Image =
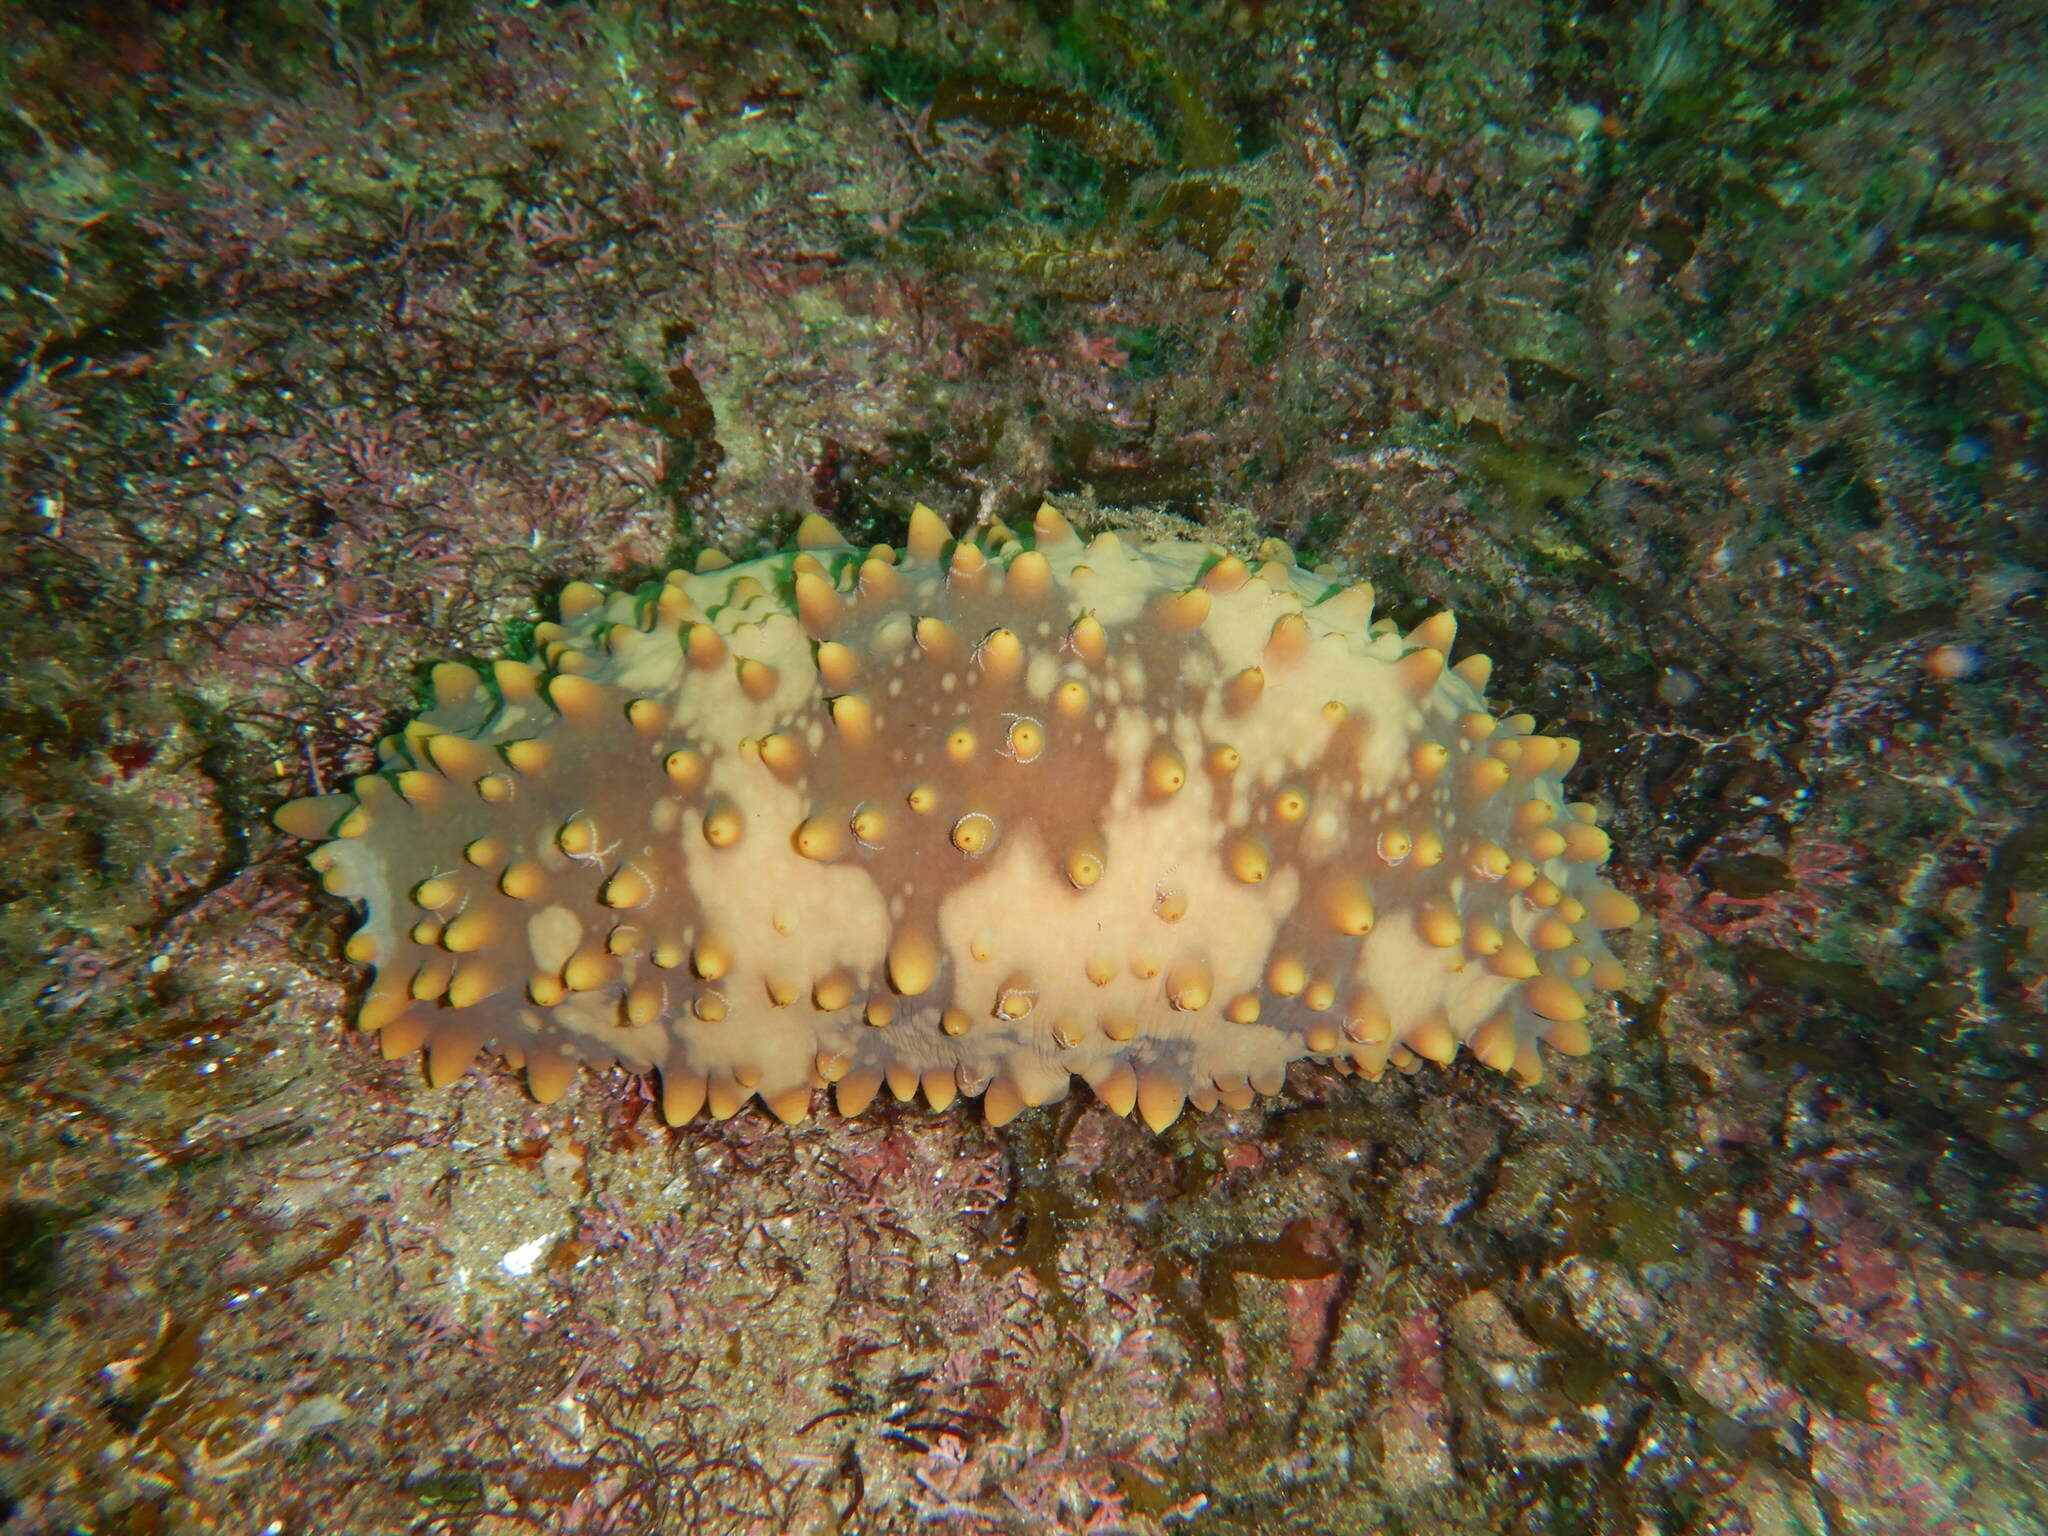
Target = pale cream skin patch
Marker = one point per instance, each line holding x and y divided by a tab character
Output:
972	818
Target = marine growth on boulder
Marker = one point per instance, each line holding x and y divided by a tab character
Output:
974	817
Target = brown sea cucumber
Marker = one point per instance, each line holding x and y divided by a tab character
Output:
976	817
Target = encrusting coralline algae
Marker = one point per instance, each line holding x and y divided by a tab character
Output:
975	818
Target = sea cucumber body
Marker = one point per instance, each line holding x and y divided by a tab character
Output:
973	819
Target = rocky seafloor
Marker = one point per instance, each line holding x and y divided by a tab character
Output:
1693	353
